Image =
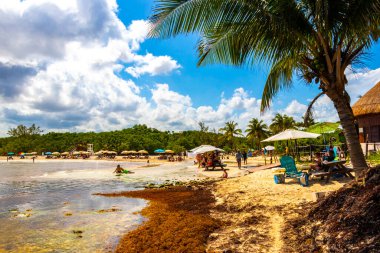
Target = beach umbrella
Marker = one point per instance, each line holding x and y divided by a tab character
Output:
33	153
323	128
159	151
99	153
269	148
207	148
143	152
291	134
11	153
48	153
65	153
125	152
168	151
76	153
56	153
132	152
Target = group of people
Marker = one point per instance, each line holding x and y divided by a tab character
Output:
241	156
328	156
207	160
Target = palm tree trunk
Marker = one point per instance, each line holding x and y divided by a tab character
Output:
346	117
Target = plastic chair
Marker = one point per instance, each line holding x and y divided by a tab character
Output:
288	163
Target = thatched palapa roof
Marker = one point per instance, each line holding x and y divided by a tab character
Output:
369	103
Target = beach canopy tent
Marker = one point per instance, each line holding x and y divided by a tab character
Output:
143	152
291	134
159	151
207	148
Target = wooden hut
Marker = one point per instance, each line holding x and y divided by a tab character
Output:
367	112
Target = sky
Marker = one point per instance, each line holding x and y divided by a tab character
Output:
79	66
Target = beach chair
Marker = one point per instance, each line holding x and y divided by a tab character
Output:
288	163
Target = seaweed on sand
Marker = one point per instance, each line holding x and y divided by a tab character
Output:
179	221
347	220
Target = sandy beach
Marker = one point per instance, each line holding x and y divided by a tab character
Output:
250	210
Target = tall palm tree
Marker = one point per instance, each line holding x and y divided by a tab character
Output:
316	39
257	131
229	131
281	123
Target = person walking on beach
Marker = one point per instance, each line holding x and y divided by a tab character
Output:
239	156
245	157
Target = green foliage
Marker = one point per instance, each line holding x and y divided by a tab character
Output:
281	123
256	132
135	138
22	130
229	131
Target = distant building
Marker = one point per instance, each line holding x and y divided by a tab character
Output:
367	112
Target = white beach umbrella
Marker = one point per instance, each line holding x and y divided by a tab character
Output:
291	134
206	149
269	148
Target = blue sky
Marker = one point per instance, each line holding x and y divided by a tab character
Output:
80	65
215	79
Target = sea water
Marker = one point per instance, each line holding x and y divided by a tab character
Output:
51	206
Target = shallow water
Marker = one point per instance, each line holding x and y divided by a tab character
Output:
50	206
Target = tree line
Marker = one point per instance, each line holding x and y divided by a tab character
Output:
230	137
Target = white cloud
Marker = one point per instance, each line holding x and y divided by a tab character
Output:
149	64
295	109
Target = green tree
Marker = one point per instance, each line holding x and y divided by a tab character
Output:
281	123
229	131
22	130
318	40
256	131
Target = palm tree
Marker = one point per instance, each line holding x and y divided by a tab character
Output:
281	123
229	131
256	131
316	39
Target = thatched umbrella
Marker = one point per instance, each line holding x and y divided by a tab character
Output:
143	152
56	153
168	151
65	154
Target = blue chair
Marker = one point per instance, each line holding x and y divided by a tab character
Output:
288	163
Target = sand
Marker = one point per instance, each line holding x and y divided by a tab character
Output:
253	210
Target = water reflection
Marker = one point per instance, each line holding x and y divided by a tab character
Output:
50	207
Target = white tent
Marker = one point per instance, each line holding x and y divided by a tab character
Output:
291	134
201	146
206	149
